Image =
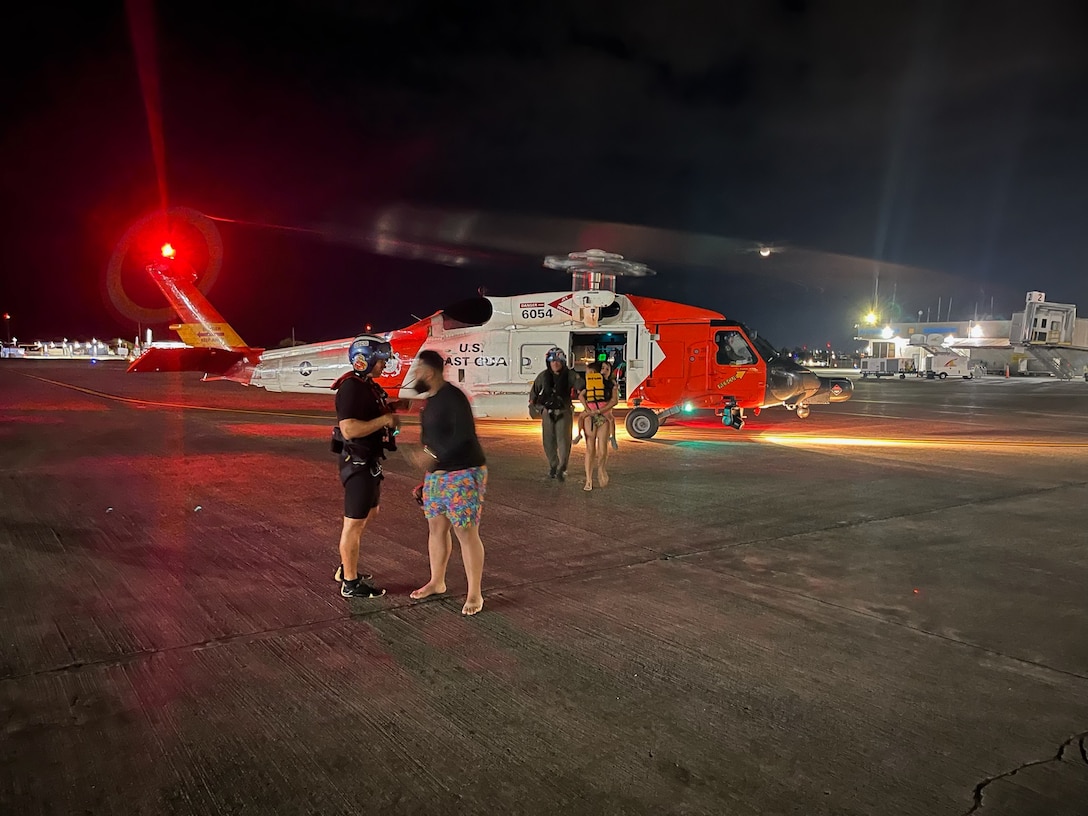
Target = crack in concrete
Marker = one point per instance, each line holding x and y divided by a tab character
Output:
980	788
210	643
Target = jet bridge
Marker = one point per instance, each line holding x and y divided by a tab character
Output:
1048	333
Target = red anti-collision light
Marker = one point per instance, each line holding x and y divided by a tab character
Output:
168	251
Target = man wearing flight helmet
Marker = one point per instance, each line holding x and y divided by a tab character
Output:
553	398
366	423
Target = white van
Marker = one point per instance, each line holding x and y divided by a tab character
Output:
940	366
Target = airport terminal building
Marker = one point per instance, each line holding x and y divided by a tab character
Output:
1043	340
66	349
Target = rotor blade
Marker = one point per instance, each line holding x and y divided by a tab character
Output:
465	237
473	239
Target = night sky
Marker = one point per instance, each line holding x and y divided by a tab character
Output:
947	137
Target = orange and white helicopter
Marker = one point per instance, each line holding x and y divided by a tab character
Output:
670	357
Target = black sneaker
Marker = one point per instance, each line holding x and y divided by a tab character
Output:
561	475
551	473
360	589
338	576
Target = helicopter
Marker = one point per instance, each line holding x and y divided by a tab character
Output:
670	358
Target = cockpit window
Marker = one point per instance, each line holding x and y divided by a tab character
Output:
733	349
765	349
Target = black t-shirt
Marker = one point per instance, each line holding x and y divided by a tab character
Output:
449	430
363	399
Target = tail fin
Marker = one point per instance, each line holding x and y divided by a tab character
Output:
212	345
202	326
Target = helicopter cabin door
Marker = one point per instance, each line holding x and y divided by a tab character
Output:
610	346
680	370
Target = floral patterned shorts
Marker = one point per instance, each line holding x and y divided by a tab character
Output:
457	494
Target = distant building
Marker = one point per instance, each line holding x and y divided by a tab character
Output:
1044	339
68	349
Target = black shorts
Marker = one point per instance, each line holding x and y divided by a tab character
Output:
362	493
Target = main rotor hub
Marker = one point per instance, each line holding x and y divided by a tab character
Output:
598	262
596	270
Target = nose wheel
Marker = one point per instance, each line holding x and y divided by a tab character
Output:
802	411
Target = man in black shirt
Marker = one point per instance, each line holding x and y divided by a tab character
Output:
453	489
364	420
552	395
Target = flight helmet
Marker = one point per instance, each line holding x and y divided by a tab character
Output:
555	353
371	348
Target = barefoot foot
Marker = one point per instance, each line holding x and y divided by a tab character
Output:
472	606
427	590
602	479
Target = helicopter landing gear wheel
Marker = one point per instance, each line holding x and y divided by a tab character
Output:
641	423
803	411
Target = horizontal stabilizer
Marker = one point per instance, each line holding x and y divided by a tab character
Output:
209	360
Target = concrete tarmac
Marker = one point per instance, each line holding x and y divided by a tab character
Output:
880	609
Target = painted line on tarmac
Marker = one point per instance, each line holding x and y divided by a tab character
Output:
712	436
154	404
907	442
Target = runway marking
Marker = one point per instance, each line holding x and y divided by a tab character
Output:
904	442
154	404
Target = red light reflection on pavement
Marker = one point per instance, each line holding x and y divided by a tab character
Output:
272	430
9	419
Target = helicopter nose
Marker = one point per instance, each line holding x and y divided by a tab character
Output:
790	385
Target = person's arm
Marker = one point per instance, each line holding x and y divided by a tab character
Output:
613	400
347	402
582	399
577	384
536	390
356	428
